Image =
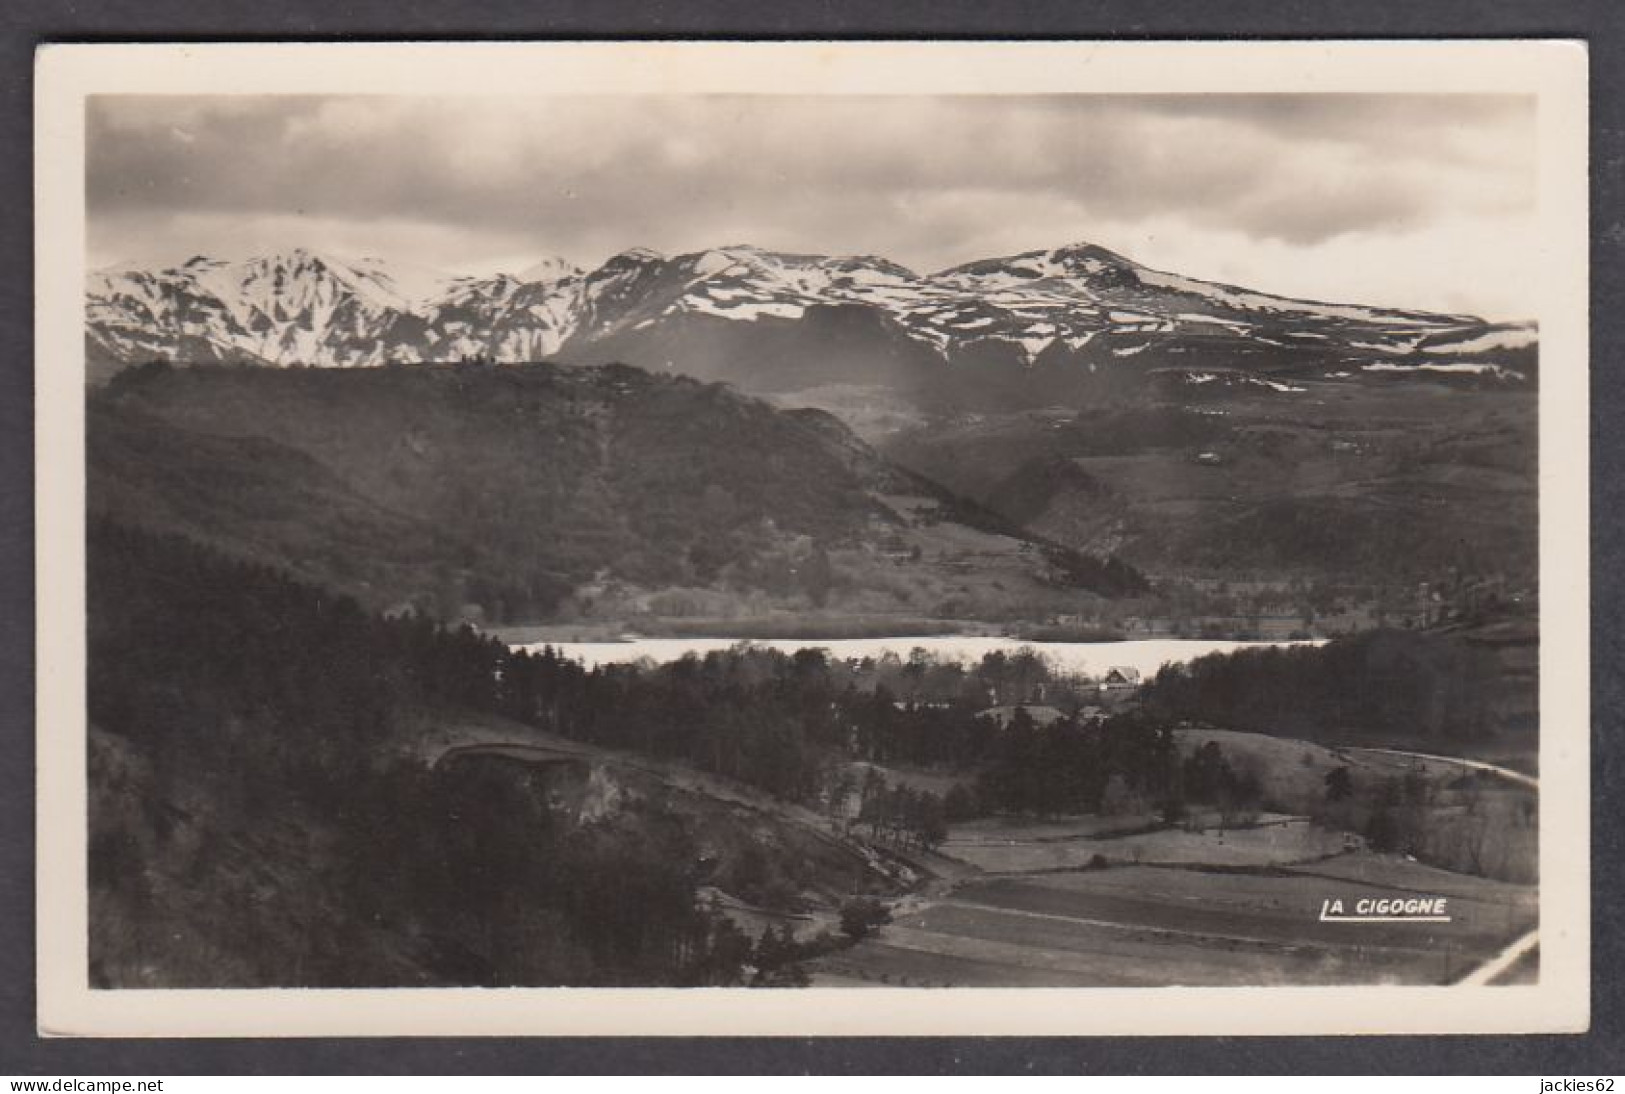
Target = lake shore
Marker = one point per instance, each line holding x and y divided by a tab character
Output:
759	628
815	628
1145	655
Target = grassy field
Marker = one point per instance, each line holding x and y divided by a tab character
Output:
1008	831
1293	772
1026	902
1156	926
1285	841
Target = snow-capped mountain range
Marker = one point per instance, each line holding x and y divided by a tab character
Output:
739	313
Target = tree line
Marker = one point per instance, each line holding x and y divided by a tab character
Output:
1375	686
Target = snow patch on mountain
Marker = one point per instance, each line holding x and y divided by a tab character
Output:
748	310
1476	367
1491	341
1248	301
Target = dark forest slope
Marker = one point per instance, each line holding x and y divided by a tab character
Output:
263	811
515	492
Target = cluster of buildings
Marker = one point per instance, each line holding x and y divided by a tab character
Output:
1119	682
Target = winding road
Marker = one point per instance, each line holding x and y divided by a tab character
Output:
1476	765
1498	965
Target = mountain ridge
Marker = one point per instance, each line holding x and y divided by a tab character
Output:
754	317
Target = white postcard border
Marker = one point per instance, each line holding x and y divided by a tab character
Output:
1555	71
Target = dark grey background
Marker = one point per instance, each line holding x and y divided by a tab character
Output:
24	27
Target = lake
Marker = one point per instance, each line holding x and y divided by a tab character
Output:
1147	655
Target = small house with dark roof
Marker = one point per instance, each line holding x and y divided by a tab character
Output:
1120	678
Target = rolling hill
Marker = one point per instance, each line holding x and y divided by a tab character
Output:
541	491
1374	484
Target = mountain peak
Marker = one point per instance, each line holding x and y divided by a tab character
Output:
1095	265
869	262
549	268
1084	251
294	258
752	255
636	256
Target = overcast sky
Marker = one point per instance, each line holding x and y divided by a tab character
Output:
1418	201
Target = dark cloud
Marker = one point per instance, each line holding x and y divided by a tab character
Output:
922	179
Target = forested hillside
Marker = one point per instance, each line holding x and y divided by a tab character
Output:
255	819
530	491
263	811
1448	691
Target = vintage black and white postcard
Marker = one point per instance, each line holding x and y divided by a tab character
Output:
815	538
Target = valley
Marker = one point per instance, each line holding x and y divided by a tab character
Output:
773	818
750	618
1253	465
